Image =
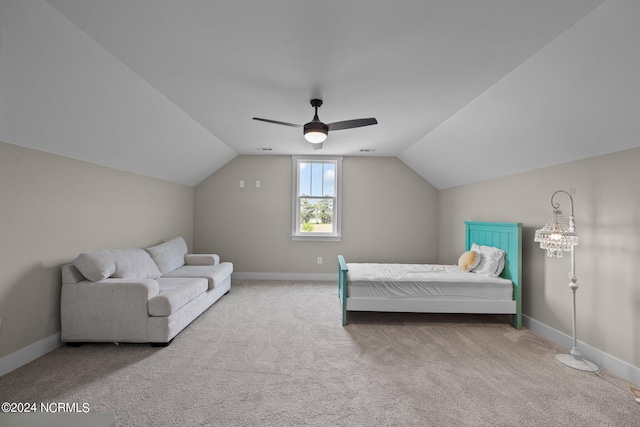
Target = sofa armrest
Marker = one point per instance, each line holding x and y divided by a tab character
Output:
111	310
201	259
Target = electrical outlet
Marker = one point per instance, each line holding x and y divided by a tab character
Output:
257	184
241	183
319	260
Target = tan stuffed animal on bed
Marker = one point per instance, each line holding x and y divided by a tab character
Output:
469	260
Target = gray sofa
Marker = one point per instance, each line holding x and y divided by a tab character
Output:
139	295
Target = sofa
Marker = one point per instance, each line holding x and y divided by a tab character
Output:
138	295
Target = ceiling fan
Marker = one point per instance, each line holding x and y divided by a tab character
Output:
316	132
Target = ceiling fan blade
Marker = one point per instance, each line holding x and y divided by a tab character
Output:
278	123
349	124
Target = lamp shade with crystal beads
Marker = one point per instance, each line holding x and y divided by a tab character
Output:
556	237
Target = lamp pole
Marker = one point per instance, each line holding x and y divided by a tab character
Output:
573	285
574	358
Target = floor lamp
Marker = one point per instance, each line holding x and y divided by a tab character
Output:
556	237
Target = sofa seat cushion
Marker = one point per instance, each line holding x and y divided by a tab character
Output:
175	293
215	275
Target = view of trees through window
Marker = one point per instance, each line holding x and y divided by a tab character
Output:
316	215
316	196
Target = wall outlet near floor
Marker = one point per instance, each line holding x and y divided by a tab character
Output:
319	260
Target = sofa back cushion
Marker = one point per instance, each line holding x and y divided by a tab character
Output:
118	263
169	255
134	264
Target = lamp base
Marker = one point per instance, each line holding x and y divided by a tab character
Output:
579	364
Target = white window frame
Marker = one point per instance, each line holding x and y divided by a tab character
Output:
296	234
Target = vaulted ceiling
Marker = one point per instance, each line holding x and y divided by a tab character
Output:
463	90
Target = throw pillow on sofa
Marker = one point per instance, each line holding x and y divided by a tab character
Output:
117	263
95	266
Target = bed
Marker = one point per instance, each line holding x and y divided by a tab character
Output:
427	288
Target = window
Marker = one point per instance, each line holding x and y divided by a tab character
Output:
316	198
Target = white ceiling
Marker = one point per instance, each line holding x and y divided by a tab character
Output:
462	90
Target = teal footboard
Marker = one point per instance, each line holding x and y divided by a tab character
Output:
342	286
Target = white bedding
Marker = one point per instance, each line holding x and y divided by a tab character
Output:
424	281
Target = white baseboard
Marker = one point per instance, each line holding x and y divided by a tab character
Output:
612	364
323	277
19	358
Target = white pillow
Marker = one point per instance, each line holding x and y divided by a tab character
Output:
500	266
492	260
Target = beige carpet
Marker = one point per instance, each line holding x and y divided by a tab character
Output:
275	354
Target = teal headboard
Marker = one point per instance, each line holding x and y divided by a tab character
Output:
508	237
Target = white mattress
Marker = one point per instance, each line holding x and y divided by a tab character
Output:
424	281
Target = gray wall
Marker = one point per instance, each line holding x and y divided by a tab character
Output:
389	213
51	209
607	211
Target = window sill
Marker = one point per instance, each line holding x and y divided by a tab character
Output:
319	238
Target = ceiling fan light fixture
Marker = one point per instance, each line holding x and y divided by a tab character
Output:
315	132
315	137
